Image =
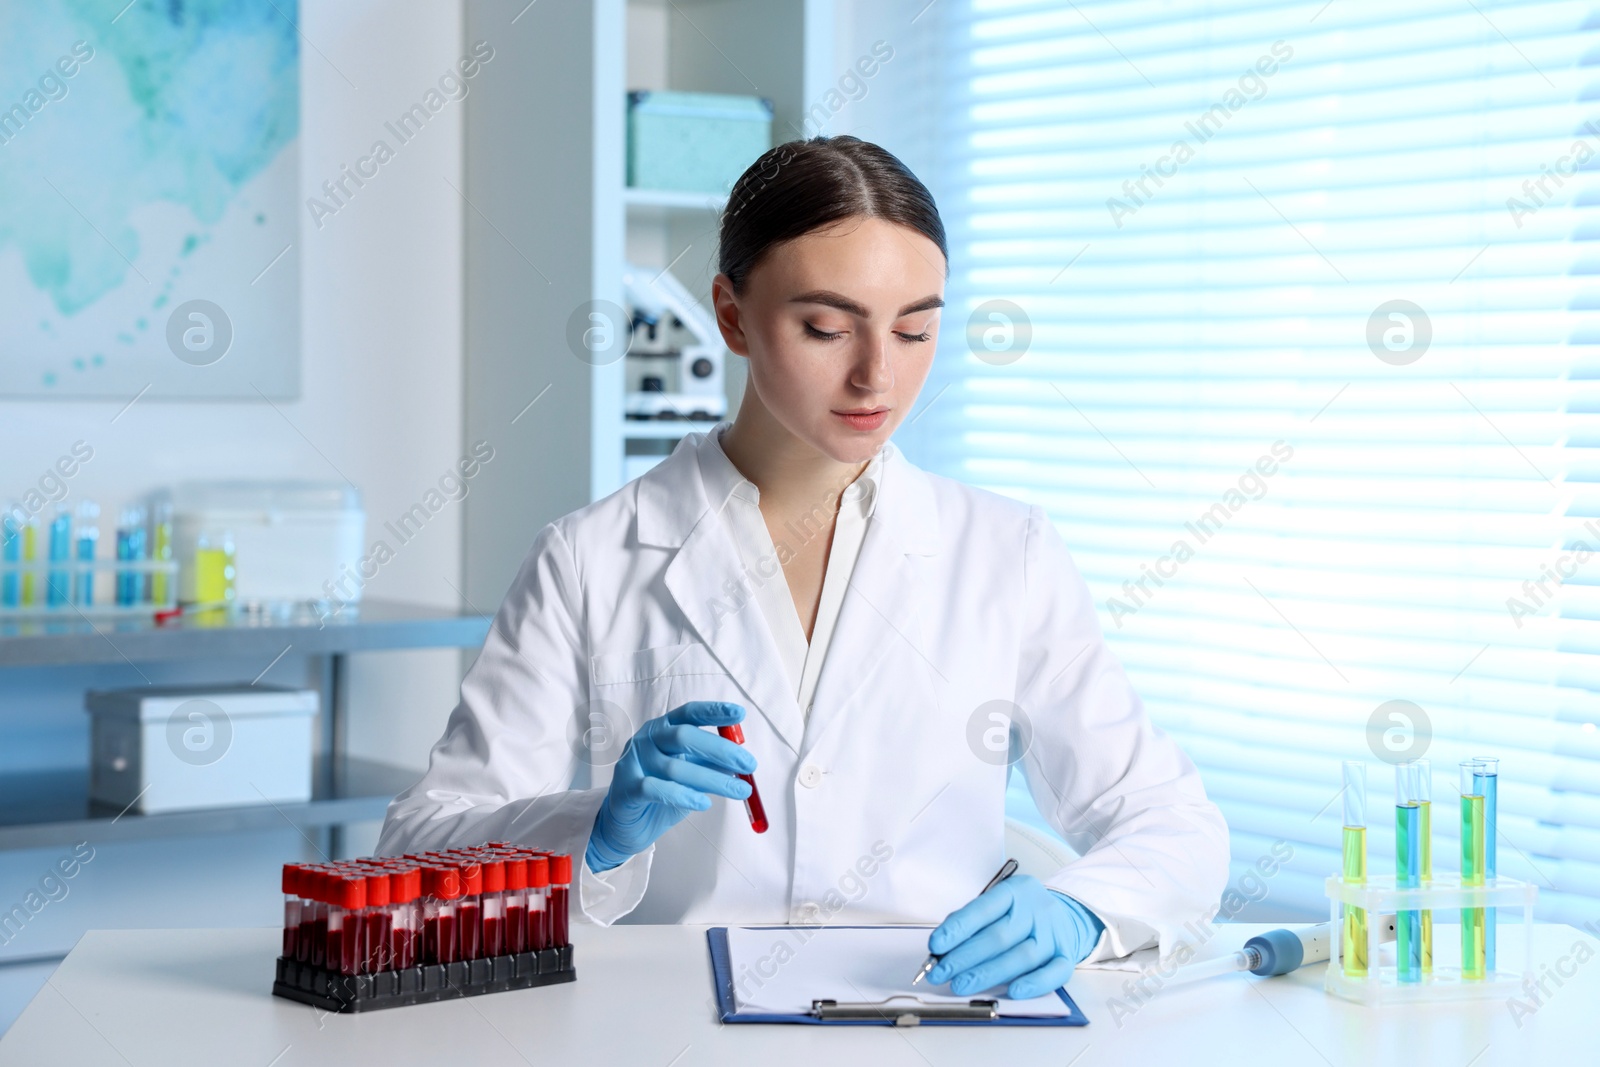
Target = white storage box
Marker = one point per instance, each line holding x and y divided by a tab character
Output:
291	539
181	748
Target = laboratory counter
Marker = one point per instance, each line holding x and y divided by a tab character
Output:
643	996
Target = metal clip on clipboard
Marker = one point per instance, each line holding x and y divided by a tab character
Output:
904	1014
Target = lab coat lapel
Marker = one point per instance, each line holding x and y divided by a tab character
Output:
883	617
707	583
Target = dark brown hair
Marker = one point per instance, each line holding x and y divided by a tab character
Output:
800	186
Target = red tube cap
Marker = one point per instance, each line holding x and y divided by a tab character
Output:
377	889
442	883
349	892
516	873
538	872
561	870
471	878
494	875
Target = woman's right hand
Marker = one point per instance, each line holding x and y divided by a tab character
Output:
665	772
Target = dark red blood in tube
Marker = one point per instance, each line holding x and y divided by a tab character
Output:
560	880
752	804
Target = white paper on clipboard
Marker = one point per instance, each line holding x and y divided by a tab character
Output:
781	970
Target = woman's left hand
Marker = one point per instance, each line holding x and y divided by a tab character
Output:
1019	933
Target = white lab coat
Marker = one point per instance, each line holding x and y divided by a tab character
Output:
886	803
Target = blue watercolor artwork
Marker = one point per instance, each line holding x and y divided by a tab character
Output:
149	177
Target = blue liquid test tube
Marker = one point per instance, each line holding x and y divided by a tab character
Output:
59	582
130	546
10	552
1487	778
88	541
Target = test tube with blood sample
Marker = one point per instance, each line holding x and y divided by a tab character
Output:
441	889
291	910
377	922
560	883
346	899
516	927
405	892
753	806
538	900
469	909
493	905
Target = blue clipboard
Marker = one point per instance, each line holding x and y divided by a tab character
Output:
829	1013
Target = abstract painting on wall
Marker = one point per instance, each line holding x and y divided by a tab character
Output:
149	177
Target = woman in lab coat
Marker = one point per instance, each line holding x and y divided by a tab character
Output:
890	641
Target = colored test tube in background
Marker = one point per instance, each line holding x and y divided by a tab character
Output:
11	552
1487	778
1472	869
30	554
1354	925
161	550
88	542
130	548
58	580
1407	871
1424	785
752	803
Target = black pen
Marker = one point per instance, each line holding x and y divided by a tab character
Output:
1006	870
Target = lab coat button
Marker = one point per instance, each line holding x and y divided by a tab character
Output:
810	775
808	912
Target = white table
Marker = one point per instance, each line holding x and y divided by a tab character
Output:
643	996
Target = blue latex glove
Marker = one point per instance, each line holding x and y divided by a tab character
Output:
665	772
1019	933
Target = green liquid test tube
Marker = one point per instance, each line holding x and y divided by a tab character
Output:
1354	925
1407	871
1472	919
1424	784
1487	778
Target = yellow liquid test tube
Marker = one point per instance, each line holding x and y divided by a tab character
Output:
1353	931
30	552
1424	784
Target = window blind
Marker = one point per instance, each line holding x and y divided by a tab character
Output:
1286	314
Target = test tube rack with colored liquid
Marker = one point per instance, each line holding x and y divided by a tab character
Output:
55	567
1425	968
380	932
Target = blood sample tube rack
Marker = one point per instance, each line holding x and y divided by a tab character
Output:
383	932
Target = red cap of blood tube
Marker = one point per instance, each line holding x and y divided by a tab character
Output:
377	889
443	883
560	869
349	892
405	885
516	873
494	875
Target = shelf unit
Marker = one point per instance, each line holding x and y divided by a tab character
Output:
532	269
51	807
